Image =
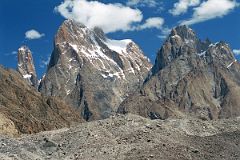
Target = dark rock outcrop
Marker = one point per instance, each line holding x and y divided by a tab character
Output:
190	77
91	72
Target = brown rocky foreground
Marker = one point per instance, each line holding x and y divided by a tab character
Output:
24	110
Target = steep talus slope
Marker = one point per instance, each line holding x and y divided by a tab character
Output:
26	66
190	77
91	72
24	110
131	137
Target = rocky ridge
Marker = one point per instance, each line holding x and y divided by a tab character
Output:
24	110
190	77
92	72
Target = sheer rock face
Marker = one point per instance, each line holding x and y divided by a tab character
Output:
26	66
24	110
91	72
190	77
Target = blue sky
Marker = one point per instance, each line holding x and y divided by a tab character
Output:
213	19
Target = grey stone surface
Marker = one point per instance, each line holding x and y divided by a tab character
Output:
131	137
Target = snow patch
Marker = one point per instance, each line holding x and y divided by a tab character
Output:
104	76
70	67
131	70
111	75
75	47
118	46
22	49
231	63
68	92
176	36
27	76
40	80
148	59
188	41
213	44
202	54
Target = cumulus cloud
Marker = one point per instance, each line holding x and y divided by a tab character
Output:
211	9
142	3
182	6
11	53
236	51
165	31
44	63
33	34
109	17
14	52
153	22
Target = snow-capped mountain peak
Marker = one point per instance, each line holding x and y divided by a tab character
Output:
93	71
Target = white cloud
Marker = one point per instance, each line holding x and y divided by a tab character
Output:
236	51
153	22
182	6
211	9
14	52
142	3
109	17
161	36
45	63
11	53
33	34
165	32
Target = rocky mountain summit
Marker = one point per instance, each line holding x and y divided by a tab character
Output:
24	110
189	77
92	72
26	66
131	137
